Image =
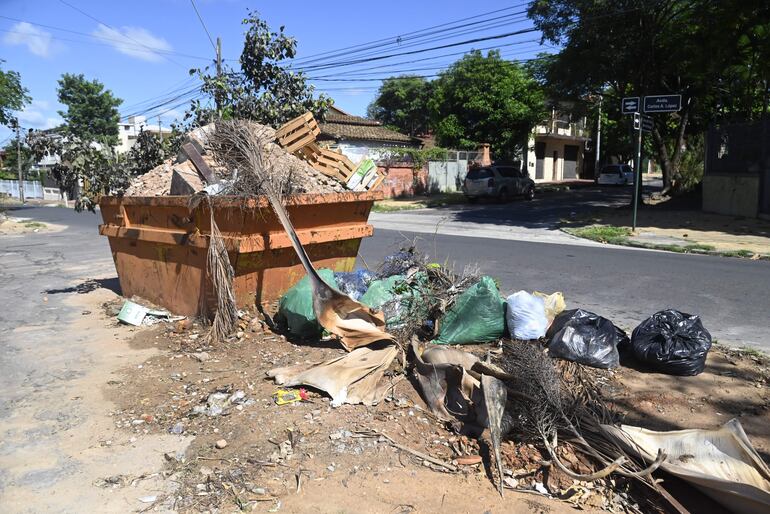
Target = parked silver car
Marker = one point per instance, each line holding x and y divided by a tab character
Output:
616	174
500	181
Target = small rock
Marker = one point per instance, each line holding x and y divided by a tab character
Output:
330	467
259	491
239	334
221	444
137	422
177	429
511	482
335	436
201	356
193	337
148	499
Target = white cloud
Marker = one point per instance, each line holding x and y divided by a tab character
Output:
37	41
133	41
36	115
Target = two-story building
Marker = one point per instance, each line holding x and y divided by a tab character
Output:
556	147
129	129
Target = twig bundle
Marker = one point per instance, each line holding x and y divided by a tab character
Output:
220	271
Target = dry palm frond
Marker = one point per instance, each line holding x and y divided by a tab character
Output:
221	273
245	150
563	401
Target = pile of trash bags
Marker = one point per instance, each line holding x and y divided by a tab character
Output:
669	341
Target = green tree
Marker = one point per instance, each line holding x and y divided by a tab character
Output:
486	100
148	152
92	111
266	89
13	96
402	102
713	53
87	170
10	162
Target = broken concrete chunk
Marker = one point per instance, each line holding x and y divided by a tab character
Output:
185	181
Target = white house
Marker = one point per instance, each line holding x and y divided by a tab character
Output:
555	148
129	130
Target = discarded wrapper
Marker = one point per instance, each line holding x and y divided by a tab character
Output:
286	396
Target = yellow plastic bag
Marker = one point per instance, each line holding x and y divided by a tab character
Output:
554	304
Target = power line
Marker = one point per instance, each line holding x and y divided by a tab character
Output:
422	50
104	38
113	28
401	37
459	31
423	59
203	24
158	51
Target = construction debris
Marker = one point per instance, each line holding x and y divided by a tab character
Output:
293	153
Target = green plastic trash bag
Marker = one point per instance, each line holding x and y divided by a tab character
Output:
395	296
477	316
295	310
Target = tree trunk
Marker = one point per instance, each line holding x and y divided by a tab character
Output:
670	163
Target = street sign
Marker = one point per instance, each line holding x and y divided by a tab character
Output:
647	123
630	105
662	103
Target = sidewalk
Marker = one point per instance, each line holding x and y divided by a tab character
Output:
678	230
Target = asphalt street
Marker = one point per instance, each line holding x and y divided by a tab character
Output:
623	284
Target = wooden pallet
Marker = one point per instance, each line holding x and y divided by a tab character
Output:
297	133
330	163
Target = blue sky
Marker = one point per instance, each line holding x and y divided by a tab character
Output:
142	50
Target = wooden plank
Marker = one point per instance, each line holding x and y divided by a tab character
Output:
293	146
291	125
377	182
200	165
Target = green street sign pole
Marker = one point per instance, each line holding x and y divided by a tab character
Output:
637	173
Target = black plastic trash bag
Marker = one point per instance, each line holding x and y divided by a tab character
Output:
586	338
672	342
354	283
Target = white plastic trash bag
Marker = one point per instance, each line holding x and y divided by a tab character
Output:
525	316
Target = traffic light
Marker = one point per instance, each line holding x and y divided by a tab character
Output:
637	121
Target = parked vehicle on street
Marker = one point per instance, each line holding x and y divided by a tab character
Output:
499	181
616	174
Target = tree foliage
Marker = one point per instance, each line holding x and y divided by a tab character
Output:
485	99
265	89
402	103
716	54
148	152
94	165
92	111
11	159
13	96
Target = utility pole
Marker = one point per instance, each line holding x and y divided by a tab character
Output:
18	161
598	139
160	131
218	98
637	173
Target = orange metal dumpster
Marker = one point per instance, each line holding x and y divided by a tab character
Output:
159	246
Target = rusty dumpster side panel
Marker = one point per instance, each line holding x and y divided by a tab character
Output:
159	247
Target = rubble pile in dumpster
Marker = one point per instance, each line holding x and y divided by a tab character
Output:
526	403
299	176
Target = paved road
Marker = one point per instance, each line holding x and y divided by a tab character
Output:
56	356
537	220
624	284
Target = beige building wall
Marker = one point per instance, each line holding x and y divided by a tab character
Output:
733	195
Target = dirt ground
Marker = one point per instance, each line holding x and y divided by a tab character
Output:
16	226
310	457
